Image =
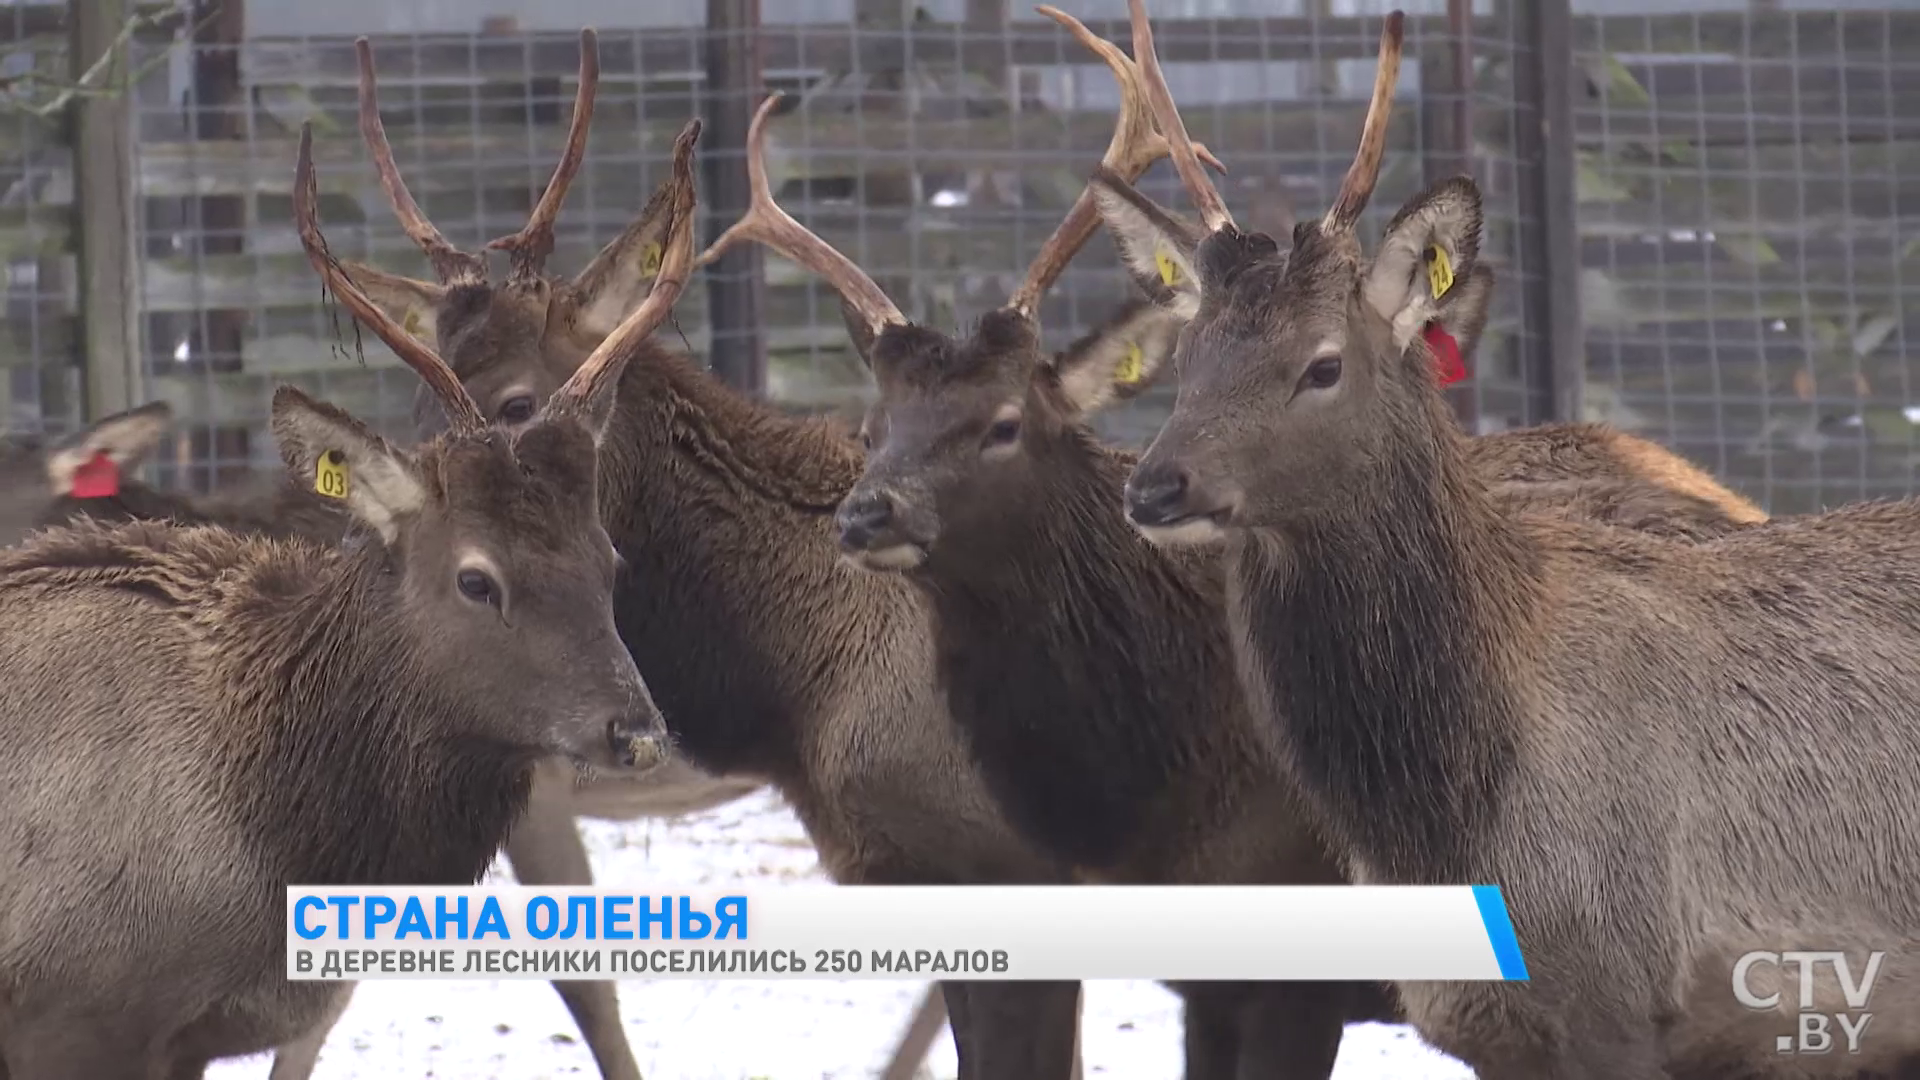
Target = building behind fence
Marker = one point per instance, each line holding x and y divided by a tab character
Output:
1703	222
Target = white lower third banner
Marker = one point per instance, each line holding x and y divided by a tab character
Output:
1383	933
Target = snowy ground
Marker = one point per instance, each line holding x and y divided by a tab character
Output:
741	1030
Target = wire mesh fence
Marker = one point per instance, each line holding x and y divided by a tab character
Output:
1700	214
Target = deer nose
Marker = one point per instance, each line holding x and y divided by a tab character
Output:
637	736
863	518
1157	495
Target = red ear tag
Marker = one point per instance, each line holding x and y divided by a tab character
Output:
1446	354
99	478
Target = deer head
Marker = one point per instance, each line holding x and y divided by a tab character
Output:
1294	359
514	342
493	533
953	415
83	473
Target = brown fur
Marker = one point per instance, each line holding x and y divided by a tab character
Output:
1669	749
544	847
771	659
281	712
1091	673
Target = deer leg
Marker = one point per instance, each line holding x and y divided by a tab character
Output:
295	1060
545	849
1209	1014
70	1047
1291	1030
1603	1047
1016	1030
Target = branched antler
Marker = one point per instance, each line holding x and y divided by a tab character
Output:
1135	146
452	265
1186	159
603	367
766	223
462	414
530	246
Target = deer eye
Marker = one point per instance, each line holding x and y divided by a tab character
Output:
866	439
1003	431
476	586
1322	373
517	410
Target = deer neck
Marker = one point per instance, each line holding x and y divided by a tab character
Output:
1091	672
735	603
1384	642
368	777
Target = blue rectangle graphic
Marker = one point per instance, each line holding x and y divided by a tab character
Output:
1506	947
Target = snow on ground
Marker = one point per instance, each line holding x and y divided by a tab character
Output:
801	1030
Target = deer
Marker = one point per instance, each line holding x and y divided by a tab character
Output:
86	474
770	657
89	475
1092	673
290	712
1678	755
544	847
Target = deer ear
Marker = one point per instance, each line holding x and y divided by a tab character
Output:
621	276
125	438
1119	359
1155	247
330	452
412	303
1431	247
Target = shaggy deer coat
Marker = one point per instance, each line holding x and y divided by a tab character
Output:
37	490
1093	675
1671	751
284	712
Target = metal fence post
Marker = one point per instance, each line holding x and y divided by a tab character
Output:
103	206
736	281
1551	236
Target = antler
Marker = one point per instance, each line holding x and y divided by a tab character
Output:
530	247
766	223
1136	145
1365	170
462	414
452	265
607	361
1186	159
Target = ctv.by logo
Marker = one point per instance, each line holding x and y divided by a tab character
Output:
1814	1029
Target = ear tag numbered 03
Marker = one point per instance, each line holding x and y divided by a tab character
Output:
1132	365
330	475
1439	271
1169	270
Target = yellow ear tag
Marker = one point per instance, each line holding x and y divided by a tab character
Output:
330	478
411	324
1439	271
1131	365
1169	270
650	260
